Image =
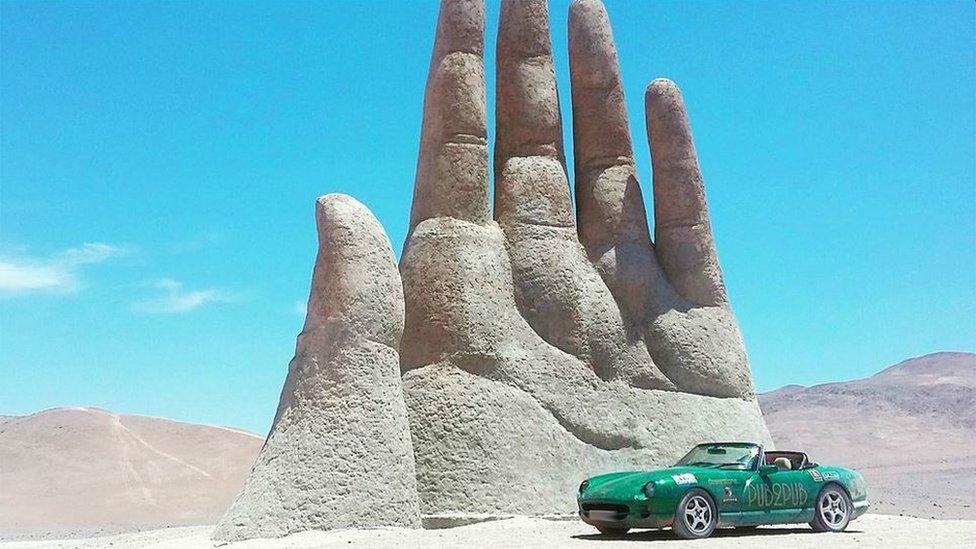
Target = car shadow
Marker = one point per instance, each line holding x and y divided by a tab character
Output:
668	535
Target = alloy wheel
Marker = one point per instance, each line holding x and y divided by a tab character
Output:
833	509
698	515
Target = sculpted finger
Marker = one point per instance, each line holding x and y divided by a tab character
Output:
682	231
530	178
343	391
609	207
452	170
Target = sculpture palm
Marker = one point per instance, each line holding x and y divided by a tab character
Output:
573	339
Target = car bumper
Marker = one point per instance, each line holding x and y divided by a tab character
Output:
860	507
615	514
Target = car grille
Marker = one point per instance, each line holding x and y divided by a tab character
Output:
605	511
606	507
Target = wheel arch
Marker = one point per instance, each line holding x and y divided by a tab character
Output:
703	488
837	483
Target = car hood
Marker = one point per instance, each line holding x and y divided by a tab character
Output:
617	484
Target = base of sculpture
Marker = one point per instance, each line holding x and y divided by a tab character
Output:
484	447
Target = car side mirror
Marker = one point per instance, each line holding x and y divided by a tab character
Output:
766	470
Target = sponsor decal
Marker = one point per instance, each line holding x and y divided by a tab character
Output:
830	475
815	475
686	478
777	494
728	495
722	481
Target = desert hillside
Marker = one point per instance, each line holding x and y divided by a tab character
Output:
87	470
910	429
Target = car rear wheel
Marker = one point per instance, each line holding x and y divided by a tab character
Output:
695	517
615	531
833	510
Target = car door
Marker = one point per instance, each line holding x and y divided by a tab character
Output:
751	500
779	496
731	492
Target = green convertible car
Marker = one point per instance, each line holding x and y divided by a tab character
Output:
723	484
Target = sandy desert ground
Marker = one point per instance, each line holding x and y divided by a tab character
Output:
867	532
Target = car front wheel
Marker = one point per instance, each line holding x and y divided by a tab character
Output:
695	516
833	510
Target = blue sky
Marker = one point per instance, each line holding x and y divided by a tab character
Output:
159	162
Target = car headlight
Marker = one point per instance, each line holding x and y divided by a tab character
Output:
583	485
649	489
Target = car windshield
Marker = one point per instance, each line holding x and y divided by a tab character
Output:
736	455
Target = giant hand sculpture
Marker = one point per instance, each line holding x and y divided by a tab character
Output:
538	347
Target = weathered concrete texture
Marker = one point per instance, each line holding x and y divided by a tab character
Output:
489	447
538	347
536	353
339	452
504	422
453	161
672	289
608	200
557	289
682	230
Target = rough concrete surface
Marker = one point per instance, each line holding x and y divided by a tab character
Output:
867	532
546	344
339	453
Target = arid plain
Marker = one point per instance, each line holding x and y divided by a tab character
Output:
91	478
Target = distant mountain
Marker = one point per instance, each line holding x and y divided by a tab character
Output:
911	429
77	471
83	470
933	369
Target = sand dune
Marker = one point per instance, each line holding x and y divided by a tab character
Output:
88	470
910	429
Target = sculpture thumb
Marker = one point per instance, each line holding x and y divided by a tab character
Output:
338	454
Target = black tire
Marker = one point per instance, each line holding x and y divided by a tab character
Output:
614	531
832	509
696	515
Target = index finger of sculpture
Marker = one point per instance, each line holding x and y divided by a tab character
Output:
452	169
609	206
530	178
682	231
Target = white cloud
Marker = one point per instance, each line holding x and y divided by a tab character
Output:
176	299
200	242
59	273
94	252
300	308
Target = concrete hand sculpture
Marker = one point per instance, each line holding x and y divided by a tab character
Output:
538	346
